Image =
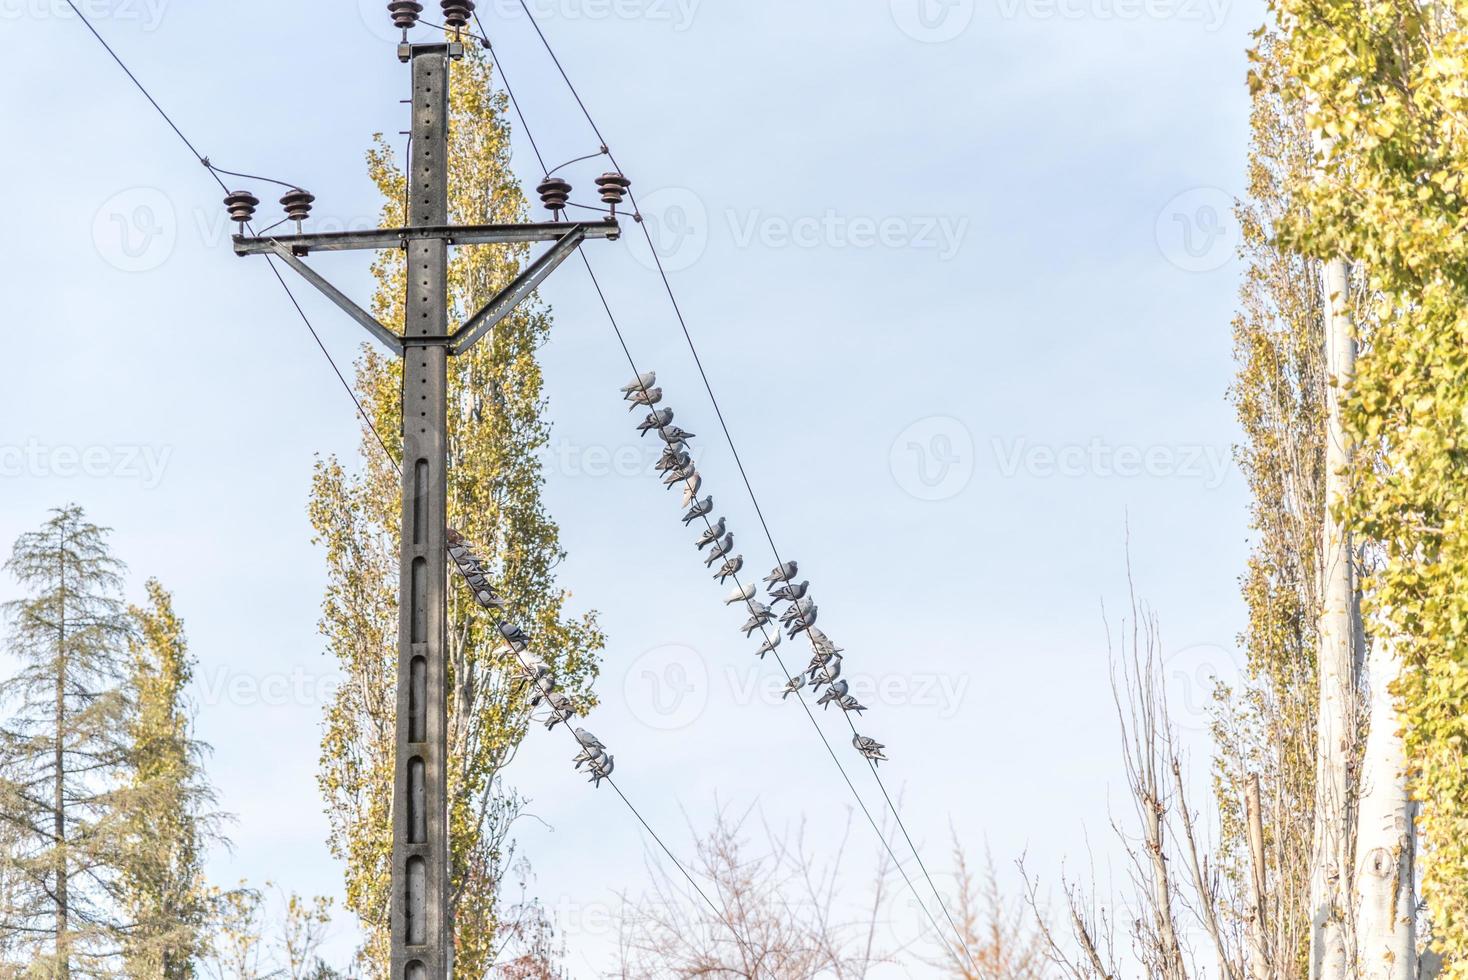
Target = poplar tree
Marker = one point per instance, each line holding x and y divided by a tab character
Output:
162	885
64	748
497	432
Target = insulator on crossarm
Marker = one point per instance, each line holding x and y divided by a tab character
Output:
554	193
613	188
297	204
456	13
405	14
242	205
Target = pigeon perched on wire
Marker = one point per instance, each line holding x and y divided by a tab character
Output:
869	747
532	671
673	459
759	618
641	382
783	573
602	769
711	534
790	593
514	636
691	493
794	686
769	645
803	623
743	594
644	398
721	549
675	436
562	710
545	686
851	705
729	569
825	648
655	420
796	610
834	693
591	747
825	673
701	509
681	475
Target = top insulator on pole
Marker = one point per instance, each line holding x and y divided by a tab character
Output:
554	193
405	13
613	188
242	205
297	204
456	13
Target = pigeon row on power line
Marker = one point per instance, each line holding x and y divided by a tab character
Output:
717	544
536	676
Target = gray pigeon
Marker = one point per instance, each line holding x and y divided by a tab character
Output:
703	508
655	420
711	534
759	620
514	636
795	685
490	599
691	493
783	573
769	645
805	622
588	740
834	693
602	770
673	435
672	459
644	398
869	747
642	381
790	593
729	569
561	710
827	672
739	595
851	705
723	549
796	610
681	475
823	643
545	686
591	754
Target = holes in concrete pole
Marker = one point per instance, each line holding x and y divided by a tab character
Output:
420	600
416	907
417	802
418	700
420	502
416	971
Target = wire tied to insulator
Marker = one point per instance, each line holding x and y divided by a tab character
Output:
613	188
405	14
554	193
241	205
297	204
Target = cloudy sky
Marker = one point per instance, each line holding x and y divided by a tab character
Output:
962	274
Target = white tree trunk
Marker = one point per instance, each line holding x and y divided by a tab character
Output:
1331	865
1257	928
1385	842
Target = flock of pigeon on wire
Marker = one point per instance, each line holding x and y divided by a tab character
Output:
799	615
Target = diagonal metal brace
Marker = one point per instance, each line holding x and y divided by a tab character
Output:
515	293
388	339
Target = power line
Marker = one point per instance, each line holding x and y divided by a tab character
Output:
223	186
729	438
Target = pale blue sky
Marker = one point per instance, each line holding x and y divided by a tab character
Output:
963	278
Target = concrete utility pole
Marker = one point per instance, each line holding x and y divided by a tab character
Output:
422	920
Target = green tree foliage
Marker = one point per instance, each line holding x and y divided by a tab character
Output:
1388	81
1266	729
162	886
496	433
64	748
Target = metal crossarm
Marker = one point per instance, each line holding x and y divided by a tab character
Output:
458	235
385	336
516	292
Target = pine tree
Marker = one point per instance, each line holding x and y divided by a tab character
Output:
496	432
63	750
163	889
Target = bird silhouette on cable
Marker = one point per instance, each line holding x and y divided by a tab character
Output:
642	381
729	569
690	494
673	459
562	710
803	622
771	642
720	550
711	534
825	673
675	436
514	636
740	593
699	510
590	745
789	593
644	399
601	768
783	573
869	747
759	618
545	686
851	705
681	475
794	686
655	420
824	646
833	694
